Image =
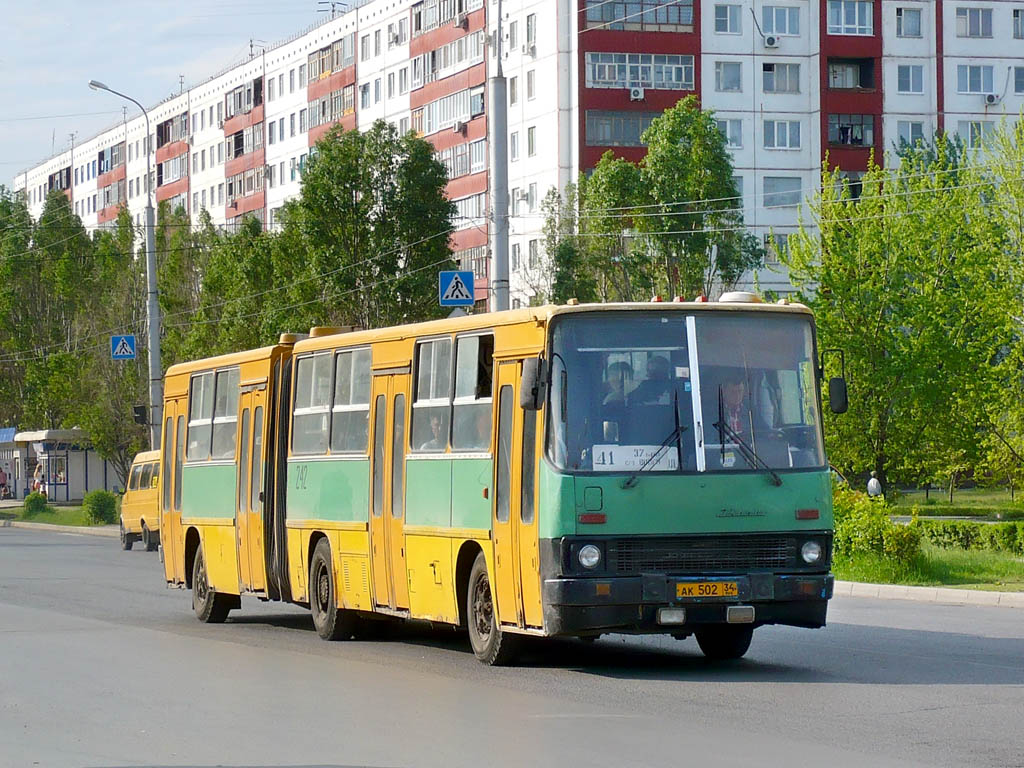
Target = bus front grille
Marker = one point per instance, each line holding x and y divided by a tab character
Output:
700	554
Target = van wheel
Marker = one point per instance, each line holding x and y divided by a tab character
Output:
126	538
490	645
331	622
149	539
210	607
721	642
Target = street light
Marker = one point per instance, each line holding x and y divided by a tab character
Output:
152	305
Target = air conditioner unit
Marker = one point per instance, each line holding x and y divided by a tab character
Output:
992	98
266	170
462	20
636	94
394	40
190	140
522	195
529	50
771	41
459	126
220	122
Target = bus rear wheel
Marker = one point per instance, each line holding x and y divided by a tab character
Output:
210	607
331	622
721	642
490	645
150	540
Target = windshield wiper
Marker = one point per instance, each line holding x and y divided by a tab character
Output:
675	434
749	452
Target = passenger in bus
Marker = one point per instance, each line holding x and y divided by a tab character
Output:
439	440
656	388
619	376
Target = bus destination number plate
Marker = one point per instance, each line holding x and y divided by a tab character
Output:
707	589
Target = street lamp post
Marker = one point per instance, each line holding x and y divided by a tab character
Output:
156	395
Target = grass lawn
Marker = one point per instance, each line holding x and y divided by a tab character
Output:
56	516
937	567
967	497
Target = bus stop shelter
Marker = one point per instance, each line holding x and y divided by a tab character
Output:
70	467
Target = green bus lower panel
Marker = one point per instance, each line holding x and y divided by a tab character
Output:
470	508
336	490
428	492
662	504
208	490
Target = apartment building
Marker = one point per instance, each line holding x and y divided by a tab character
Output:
791	81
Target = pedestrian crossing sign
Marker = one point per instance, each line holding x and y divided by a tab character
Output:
122	347
455	288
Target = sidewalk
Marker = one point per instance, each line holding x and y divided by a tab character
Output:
110	531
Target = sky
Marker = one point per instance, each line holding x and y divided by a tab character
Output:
49	51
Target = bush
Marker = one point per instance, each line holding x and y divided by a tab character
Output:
35	504
100	506
968	535
863	527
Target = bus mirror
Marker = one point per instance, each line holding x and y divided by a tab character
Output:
139	414
533	387
837	399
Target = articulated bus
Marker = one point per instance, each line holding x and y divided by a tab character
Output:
553	471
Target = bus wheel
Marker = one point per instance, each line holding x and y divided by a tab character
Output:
209	606
721	642
330	622
126	538
490	644
149	541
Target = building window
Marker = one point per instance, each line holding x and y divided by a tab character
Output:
851	73
974	132
376	43
364	47
781	190
908	22
364	96
533	250
515	257
291	81
732	130
270	92
851	130
1018	23
639	15
1018	80
391	85
781	78
782	134
617	129
909	132
531	85
974	22
302	121
850	17
376	91
531	141
513	35
639	70
403	80
727	19
531	30
513	146
728	76
780	20
910	78
974	78
775	245
302	75
271	132
513	90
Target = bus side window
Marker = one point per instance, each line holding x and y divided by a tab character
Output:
432	400
225	414
200	416
312	404
350	415
474	367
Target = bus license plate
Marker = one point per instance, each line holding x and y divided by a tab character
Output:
707	589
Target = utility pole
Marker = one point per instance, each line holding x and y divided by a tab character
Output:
156	384
497	111
71	186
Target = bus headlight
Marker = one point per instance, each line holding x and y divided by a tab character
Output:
810	552
589	556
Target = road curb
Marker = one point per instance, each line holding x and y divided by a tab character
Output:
943	595
108	531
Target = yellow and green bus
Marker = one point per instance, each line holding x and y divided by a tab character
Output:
553	471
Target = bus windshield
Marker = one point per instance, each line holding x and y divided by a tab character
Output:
671	392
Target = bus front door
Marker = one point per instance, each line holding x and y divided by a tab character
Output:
249	504
379	520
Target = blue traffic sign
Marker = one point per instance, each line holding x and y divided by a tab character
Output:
122	347
455	288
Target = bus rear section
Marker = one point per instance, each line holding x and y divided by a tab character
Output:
685	487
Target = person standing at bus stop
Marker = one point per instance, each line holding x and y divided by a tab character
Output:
874	487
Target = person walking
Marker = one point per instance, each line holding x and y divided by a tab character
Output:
874	487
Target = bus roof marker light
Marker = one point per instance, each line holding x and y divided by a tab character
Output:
702	299
656	298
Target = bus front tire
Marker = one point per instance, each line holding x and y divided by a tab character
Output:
126	539
210	607
723	642
149	540
330	622
490	645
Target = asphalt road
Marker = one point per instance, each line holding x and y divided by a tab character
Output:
101	665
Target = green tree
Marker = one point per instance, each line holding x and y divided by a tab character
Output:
921	302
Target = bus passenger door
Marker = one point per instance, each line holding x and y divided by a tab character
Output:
396	517
529	545
257	564
242	489
379	522
505	512
170	522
